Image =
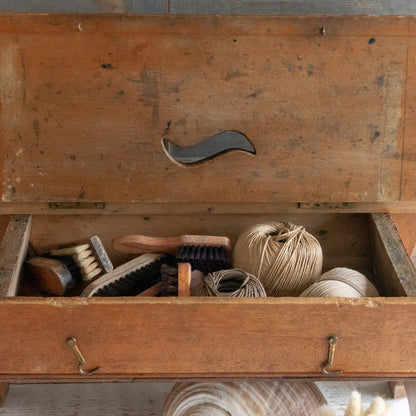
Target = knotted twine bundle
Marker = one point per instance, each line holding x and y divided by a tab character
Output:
231	283
243	398
283	256
341	282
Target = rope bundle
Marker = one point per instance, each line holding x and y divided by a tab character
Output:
341	282
284	257
244	398
231	283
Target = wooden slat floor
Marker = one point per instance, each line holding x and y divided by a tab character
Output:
146	399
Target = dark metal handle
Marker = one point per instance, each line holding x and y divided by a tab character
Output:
207	148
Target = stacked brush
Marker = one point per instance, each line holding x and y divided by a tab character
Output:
59	271
155	271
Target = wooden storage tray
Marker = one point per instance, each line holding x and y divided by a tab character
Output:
205	337
327	103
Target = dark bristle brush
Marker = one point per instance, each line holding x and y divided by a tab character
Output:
173	282
85	261
204	252
131	278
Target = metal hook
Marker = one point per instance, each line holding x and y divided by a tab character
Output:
333	339
72	342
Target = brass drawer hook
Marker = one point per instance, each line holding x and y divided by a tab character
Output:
72	342
333	339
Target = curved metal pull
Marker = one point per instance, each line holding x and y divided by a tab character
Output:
208	148
333	339
72	342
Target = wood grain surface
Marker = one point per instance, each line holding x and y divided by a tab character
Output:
355	7
190	337
13	249
87	99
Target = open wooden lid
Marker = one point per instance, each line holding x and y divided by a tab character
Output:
327	102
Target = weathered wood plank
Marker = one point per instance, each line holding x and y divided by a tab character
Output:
409	157
13	250
223	338
62	6
395	261
145	6
346	7
138	79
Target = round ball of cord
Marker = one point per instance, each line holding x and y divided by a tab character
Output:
285	257
341	282
231	283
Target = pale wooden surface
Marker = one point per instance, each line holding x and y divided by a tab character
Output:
13	249
119	103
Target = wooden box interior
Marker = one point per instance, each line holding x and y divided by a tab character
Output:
347	240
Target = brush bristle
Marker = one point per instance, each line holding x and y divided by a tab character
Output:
169	280
207	259
90	261
131	278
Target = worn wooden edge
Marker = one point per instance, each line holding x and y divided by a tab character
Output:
75	302
397	257
269	25
78	379
4	388
143	378
105	208
398	389
13	250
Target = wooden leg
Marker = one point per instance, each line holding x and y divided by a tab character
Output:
4	388
397	389
410	387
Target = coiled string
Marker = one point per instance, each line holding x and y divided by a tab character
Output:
341	282
231	283
284	257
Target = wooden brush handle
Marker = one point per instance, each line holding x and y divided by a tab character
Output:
139	244
184	279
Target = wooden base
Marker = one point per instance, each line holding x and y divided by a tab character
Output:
4	388
397	389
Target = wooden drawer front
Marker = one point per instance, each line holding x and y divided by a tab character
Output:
86	101
209	337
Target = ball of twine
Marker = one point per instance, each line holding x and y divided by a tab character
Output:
285	257
231	283
341	282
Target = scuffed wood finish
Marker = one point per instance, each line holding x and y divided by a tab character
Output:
409	156
13	250
355	7
390	258
86	101
150	338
